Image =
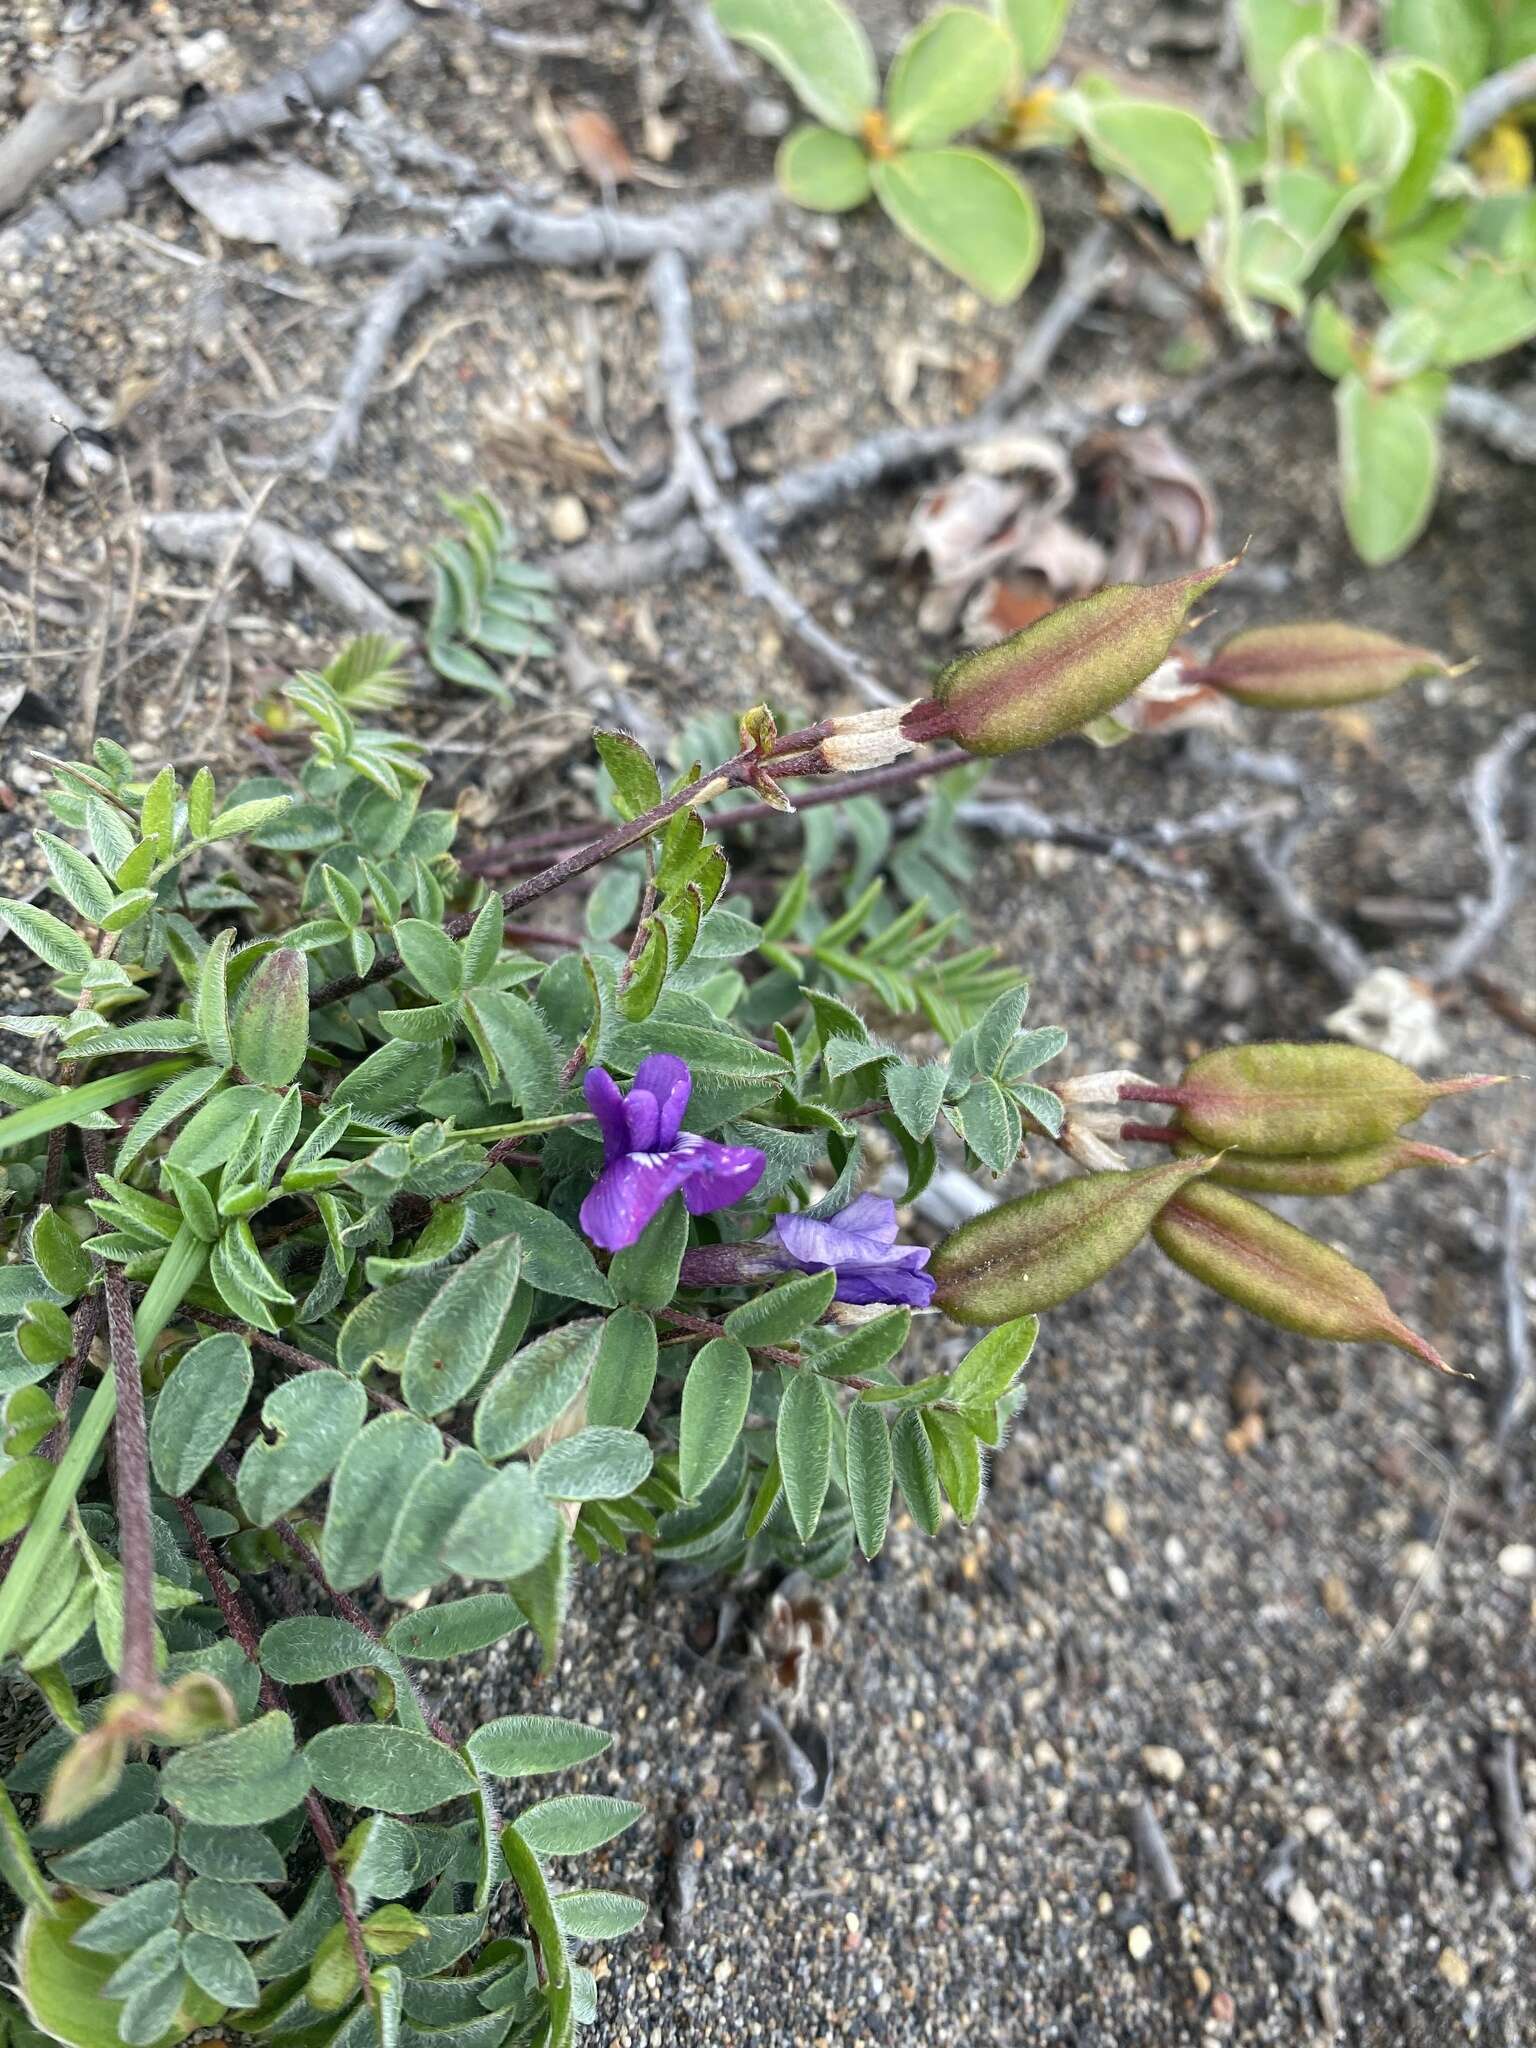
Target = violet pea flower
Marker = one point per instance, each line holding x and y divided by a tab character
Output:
859	1244
648	1156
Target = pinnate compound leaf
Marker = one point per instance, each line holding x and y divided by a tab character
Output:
394	1770
818	46
823	171
968	213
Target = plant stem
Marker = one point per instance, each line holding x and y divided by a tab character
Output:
17	1863
178	1269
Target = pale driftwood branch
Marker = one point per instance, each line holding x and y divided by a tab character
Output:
1017	818
1487	104
1501	1773
37	416
768	510
1518	1182
331	74
276	552
1499	422
68	111
667	283
503	231
1509	866
1269	857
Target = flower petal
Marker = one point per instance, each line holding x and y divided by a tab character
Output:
717	1175
607	1105
627	1194
902	1282
642	1119
666	1077
869	1216
814	1242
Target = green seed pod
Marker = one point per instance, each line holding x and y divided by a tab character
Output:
1070	667
271	1028
1032	1253
1311	667
1276	1271
1319	1173
1279	1098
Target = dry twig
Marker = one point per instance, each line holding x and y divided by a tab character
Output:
1493	418
1501	1770
1518	1183
276	552
667	282
68	111
38	416
1509	868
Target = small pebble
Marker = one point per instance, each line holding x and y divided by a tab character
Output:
1518	1560
1117	1519
1139	1942
1162	1763
1453	1969
1317	1820
567	518
1302	1909
1117	1582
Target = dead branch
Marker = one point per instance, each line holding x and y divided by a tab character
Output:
1501	1773
1269	857
67	112
1016	818
38	416
766	511
275	553
667	283
1502	423
331	74
1487	104
1509	866
1518	1182
1154	1859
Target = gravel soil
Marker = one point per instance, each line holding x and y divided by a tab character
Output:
1281	1591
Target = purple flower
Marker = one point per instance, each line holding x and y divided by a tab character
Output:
647	1155
859	1245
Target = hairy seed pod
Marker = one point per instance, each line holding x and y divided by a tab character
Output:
1280	1098
1313	666
1319	1173
1068	668
1032	1253
1278	1272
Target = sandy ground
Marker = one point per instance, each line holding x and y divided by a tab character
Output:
1308	1615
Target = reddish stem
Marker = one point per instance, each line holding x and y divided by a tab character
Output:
1148	1091
1149	1134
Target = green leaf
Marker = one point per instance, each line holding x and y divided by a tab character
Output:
1271	29
212	1007
63	1984
1389	462
457	1628
79	881
804	1444
53	942
598	1916
542	1594
79	1105
513	1032
56	1252
595	1464
784	1311
645	1275
128	1921
1037	27
431	957
957	1460
716	1395
576	1824
817	46
636	785
197	1410
1433	106
218	1967
948	74
916	1473
376	1473
528	1745
995	1033
916	1094
440	1496
243	1855
555	1259
539	1906
1351	123
249	817
640	996
989	1124
1166	151
1454	35
395	1770
869	1476
625	1371
824	171
139	1848
508	1529
239	1912
240	1779
966	212
453	1343
314	1419
990	1368
532	1390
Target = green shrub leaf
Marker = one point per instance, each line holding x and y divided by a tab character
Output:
968	213
949	73
817	46
822	170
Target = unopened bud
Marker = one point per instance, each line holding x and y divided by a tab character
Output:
271	1028
197	1705
1283	1099
1030	1254
1320	1173
1278	1272
88	1770
1311	667
1075	664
